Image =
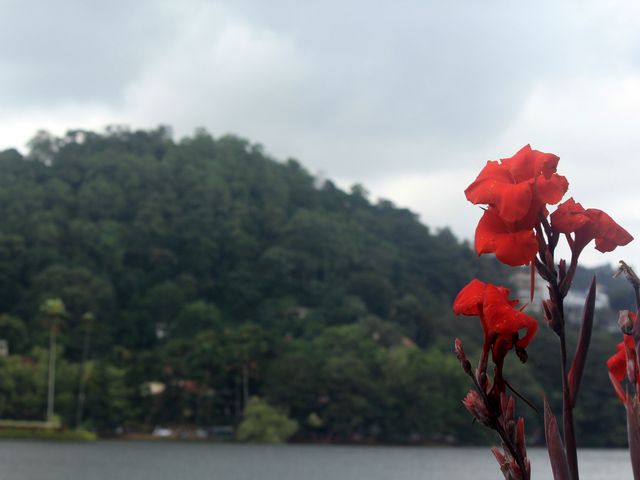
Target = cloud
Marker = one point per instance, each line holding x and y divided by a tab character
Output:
52	53
223	74
409	98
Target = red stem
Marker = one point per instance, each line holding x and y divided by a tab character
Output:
557	294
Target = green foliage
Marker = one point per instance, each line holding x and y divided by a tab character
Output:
108	396
14	331
195	317
264	423
45	434
23	387
54	308
215	274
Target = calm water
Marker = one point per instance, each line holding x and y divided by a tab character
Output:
27	460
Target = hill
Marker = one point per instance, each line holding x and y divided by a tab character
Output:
201	272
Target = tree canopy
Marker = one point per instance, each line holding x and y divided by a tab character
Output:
215	273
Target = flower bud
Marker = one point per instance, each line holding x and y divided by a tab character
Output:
508	465
509	412
552	315
562	269
462	358
476	406
625	322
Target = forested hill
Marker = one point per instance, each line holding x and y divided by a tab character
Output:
213	273
138	228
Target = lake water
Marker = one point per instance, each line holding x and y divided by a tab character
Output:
129	460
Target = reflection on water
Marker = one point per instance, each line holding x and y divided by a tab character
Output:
27	460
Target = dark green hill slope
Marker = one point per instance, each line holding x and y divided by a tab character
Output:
134	226
214	273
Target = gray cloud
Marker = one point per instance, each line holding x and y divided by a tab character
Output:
77	51
410	97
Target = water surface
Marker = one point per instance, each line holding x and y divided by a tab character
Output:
129	460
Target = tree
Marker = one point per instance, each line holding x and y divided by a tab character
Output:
196	317
245	348
265	423
14	331
87	320
108	394
54	311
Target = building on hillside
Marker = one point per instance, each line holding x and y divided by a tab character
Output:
573	302
521	281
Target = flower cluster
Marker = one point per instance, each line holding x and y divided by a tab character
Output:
517	191
516	226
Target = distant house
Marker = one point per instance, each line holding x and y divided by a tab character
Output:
521	280
153	388
573	302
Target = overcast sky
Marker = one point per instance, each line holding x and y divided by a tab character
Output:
409	98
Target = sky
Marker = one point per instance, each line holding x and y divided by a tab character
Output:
408	98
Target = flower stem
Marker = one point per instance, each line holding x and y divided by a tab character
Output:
557	293
514	452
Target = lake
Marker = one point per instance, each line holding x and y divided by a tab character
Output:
138	460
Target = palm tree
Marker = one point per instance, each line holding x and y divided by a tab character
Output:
54	310
87	321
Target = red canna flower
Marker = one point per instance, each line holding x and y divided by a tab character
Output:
501	323
516	184
617	363
514	243
517	191
624	363
589	224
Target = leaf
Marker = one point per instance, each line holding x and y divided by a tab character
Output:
580	357
557	455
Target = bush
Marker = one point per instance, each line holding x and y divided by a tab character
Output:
265	423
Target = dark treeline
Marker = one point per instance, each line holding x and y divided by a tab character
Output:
199	273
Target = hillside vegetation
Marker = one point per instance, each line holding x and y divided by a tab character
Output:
197	274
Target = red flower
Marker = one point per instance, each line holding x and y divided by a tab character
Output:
517	190
624	363
501	323
514	243
589	224
517	184
617	363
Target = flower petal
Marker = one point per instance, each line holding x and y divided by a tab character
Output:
589	224
485	189
617	363
608	233
469	299
502	319
527	164
569	217
493	235
552	189
515	201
